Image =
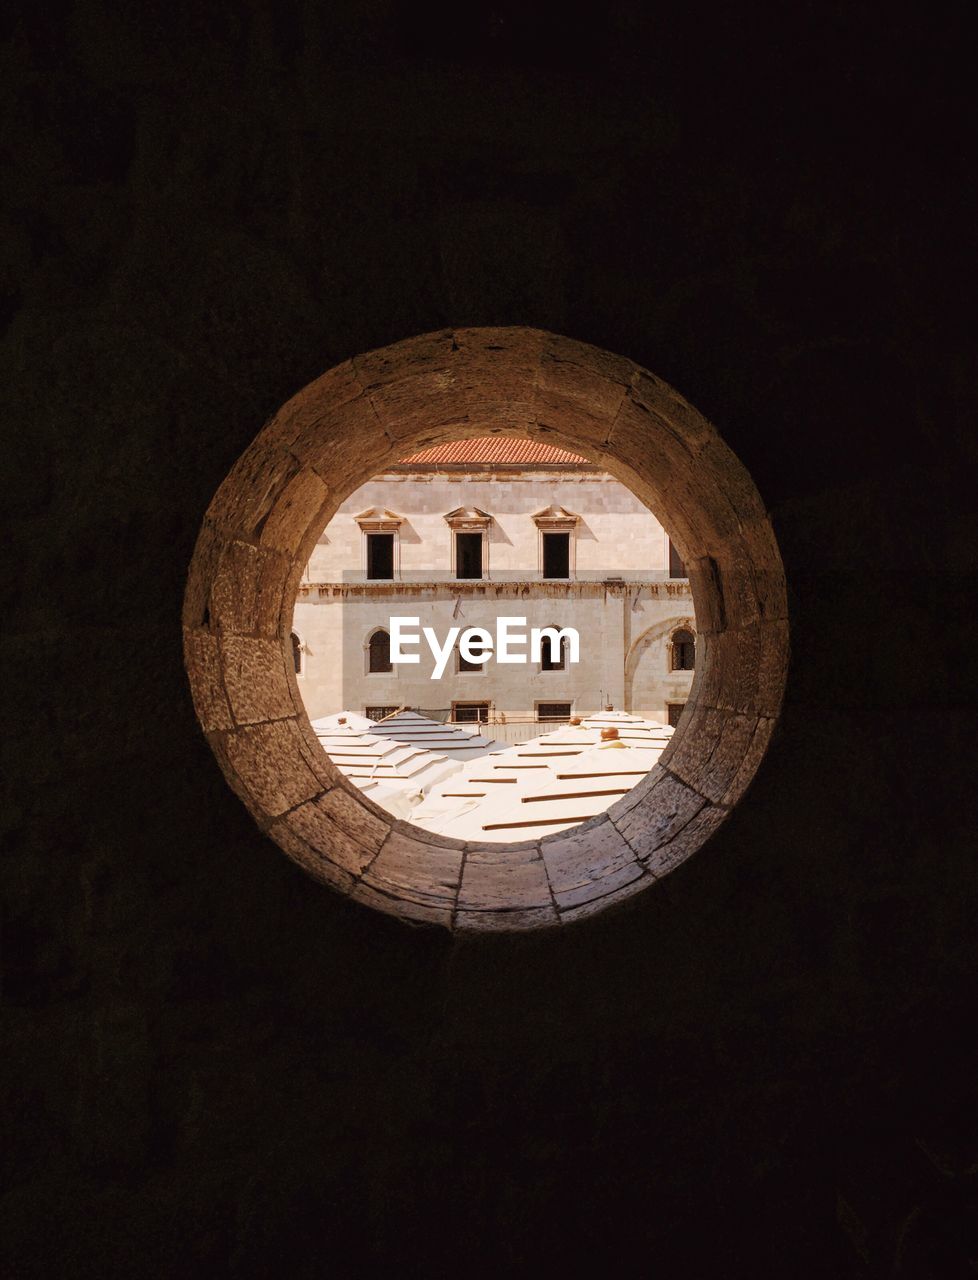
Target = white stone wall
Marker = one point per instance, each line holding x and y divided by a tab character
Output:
616	533
624	626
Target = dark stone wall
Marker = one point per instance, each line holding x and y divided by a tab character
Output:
762	1067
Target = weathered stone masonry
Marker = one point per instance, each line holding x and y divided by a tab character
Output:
260	531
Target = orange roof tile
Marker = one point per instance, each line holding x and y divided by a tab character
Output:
493	449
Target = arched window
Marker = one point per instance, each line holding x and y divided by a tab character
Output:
379	652
463	664
553	657
297	654
683	650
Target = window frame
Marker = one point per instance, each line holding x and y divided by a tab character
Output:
373	521
469	533
388	708
471	520
380	533
676	646
546	648
554	519
476	668
550	702
462	704
556	533
392	669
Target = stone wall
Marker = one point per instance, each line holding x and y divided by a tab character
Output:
334	624
213	1066
615	535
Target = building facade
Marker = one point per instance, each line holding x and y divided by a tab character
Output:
462	534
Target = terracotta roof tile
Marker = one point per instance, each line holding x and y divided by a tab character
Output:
493	449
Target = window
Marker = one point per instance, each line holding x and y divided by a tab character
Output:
379	713
463	664
683	650
556	525
379	652
380	555
468	555
553	657
470	712
553	710
556	555
676	567
675	710
296	654
470	528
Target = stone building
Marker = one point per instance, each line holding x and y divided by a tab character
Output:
462	534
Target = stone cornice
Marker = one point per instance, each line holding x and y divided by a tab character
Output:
449	590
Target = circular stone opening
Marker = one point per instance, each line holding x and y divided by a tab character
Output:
257	537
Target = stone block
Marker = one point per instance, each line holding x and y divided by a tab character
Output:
347	810
751	667
707	587
301	416
255	679
310	859
642	435
751	759
342	442
705	689
495	374
741	604
300	502
423	401
583	910
405	909
775	656
416	871
727	757
467	381
313	823
497	879
670	806
581	389
688	755
312	751
583	867
638	795
248	592
203	662
211	545
420	354
693	509
686	841
505	921
250	491
760	545
686	423
722	470
734	659
268	762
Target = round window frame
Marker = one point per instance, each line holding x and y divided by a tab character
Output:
259	531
